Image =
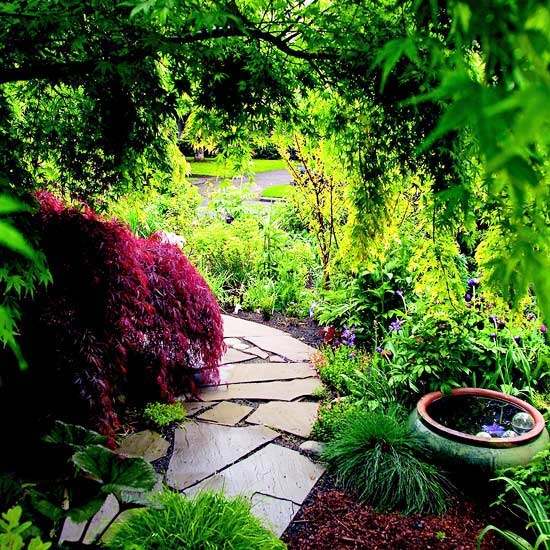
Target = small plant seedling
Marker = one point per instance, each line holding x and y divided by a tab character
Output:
162	414
440	536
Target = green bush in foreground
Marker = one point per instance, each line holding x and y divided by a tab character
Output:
376	457
163	414
208	521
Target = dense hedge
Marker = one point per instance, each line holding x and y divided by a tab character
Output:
126	319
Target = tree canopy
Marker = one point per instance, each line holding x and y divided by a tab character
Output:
93	93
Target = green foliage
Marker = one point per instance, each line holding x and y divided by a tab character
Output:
533	478
378	458
533	509
205	521
277	191
333	417
221	167
335	363
15	535
162	414
72	436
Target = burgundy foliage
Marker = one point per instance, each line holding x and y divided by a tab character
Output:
126	319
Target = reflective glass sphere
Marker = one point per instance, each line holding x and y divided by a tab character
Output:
522	422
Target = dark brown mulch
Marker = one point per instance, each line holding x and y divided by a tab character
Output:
334	520
306	330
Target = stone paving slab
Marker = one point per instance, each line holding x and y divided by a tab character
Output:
264	372
275	513
147	444
72	531
227	413
283	345
295	418
233	327
236	343
274	470
235	356
287	390
201	449
194	407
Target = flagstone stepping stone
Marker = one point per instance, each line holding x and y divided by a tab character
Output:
201	449
295	418
284	345
287	390
313	448
277	359
263	372
275	513
147	444
236	343
235	356
72	531
233	327
274	471
258	352
194	407
227	413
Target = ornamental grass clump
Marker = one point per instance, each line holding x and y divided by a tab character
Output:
127	320
377	458
207	521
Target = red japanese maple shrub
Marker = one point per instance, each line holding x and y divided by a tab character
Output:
126	319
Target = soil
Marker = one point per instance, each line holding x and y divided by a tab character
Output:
331	520
306	330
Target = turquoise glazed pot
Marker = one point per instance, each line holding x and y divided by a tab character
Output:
459	450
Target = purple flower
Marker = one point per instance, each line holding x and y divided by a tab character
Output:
468	297
399	293
543	329
473	282
348	337
379	349
494	429
395	326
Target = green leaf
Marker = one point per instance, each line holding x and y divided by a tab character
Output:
73	436
9	205
11	238
116	473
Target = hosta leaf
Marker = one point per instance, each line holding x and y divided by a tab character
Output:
116	473
9	205
73	436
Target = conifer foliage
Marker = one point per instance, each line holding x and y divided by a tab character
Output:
126	319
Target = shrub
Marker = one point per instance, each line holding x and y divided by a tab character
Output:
15	535
378	459
208	521
126	319
163	414
334	417
335	363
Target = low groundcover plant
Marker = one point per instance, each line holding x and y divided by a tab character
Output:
207	521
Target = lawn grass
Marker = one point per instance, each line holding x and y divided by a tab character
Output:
277	191
213	168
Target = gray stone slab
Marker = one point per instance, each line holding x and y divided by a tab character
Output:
276	359
236	343
201	449
227	413
283	345
274	470
233	327
147	444
313	448
275	513
295	418
264	372
194	407
258	352
287	390
235	356
72	531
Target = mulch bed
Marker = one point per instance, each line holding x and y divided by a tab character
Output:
333	520
306	330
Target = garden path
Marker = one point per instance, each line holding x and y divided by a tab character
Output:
244	435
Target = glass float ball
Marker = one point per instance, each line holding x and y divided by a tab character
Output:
509	433
483	435
522	422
